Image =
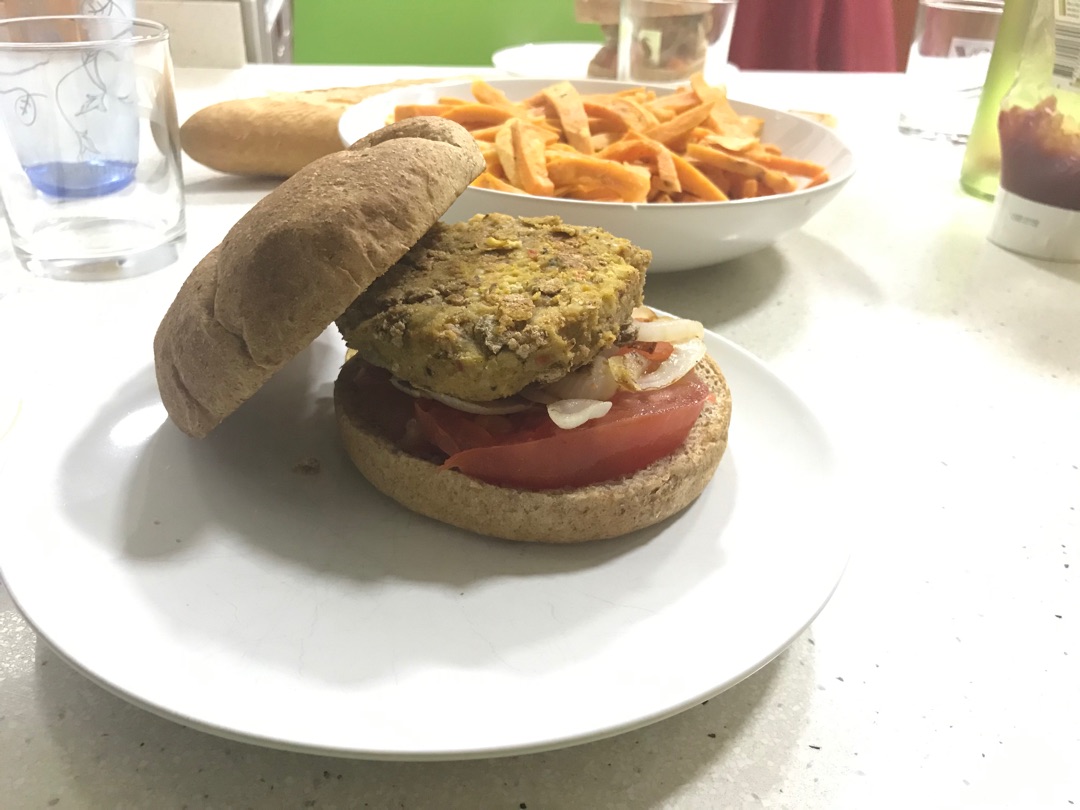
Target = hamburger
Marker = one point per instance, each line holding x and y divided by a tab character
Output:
505	377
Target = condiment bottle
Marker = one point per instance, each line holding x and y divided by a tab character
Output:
1037	208
982	158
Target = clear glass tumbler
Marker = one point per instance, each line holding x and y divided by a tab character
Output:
947	67
90	171
661	41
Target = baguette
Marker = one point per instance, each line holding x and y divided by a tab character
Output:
274	135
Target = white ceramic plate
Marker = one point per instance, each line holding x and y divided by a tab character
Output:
536	59
216	583
681	237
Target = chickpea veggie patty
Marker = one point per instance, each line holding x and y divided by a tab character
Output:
481	309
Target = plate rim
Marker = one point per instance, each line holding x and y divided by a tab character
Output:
460	755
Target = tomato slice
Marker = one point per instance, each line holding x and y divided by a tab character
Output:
527	450
454	431
640	428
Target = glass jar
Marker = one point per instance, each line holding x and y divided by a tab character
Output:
1037	207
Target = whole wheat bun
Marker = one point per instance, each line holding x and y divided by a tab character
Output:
274	135
296	261
593	512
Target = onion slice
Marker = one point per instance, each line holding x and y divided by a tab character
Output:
572	413
594	381
496	407
671	330
629	369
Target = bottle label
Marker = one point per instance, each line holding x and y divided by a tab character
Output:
1033	229
963	47
1067	44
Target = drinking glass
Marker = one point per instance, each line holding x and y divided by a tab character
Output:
947	67
90	172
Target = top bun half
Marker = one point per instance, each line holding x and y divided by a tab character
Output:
298	258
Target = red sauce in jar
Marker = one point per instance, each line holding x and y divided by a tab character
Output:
1040	160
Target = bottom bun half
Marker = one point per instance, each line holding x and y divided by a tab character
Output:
593	512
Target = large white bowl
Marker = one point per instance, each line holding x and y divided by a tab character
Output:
681	236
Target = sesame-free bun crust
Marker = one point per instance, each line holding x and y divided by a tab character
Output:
594	512
296	261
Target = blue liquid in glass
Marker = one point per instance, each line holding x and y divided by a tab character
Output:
87	178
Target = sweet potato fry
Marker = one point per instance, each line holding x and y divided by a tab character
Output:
491	157
696	183
748	188
776	181
817	180
753	125
722	160
675	103
593	191
604	119
529	159
799	168
542	123
478	115
611	125
653	153
723	119
566	102
728	184
504	145
569	170
486	94
486	133
743	166
488	180
678	128
403	111
630	114
602	140
706	92
662	113
731	143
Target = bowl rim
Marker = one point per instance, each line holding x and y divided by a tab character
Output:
834	181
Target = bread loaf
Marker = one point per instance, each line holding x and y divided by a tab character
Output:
274	135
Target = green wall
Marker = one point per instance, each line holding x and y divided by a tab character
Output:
427	32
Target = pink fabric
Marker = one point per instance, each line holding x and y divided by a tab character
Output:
814	35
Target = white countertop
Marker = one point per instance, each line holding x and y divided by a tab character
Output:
944	672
